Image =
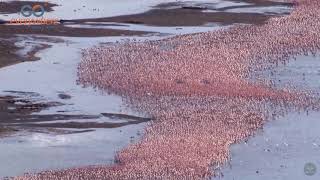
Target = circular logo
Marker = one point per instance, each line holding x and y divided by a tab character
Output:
310	169
36	10
26	10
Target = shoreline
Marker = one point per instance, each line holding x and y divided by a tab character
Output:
135	19
173	12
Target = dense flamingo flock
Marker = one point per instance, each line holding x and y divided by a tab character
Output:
197	89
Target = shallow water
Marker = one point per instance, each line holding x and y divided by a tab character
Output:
175	30
37	151
281	150
53	74
303	72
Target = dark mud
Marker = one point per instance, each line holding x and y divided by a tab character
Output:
261	3
8	51
6	131
16	115
31	55
84	125
61	30
253	3
181	14
126	117
185	17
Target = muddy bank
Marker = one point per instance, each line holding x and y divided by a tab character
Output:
6	131
84	125
61	30
8	54
259	3
11	53
185	17
183	14
17	114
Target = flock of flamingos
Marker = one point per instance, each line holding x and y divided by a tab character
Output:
198	91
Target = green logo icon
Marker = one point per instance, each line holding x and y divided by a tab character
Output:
310	169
